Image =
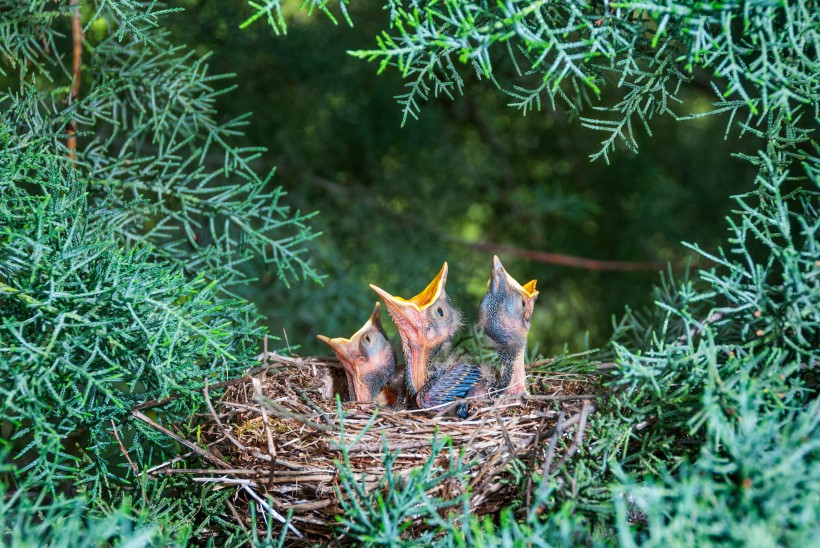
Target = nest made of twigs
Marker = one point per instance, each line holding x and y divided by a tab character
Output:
274	435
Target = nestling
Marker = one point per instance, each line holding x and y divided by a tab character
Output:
505	313
426	323
369	361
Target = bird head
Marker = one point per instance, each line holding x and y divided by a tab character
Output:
367	357
506	309
425	322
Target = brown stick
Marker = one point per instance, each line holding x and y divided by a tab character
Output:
579	434
559	398
564	260
122	447
77	36
257	388
193	447
533	457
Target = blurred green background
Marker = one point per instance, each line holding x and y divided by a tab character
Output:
395	202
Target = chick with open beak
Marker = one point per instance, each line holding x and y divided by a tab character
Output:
368	359
505	313
426	323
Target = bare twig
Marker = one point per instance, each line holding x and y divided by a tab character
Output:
257	388
219	424
279	517
504	433
193	447
77	38
560	397
532	461
579	434
557	432
122	447
562	259
319	411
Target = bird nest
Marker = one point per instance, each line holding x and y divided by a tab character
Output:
278	437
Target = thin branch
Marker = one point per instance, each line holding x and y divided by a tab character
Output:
193	447
535	445
564	260
122	447
579	434
77	37
557	432
279	517
257	388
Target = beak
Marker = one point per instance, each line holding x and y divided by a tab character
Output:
409	308
499	277
375	318
339	344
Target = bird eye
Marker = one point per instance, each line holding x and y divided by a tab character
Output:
440	312
523	303
367	338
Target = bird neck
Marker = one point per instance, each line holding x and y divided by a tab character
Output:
513	374
418	358
361	390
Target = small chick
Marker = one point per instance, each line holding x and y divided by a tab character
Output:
368	360
426	323
505	313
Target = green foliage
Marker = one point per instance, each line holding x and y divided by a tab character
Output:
123	271
754	482
762	52
119	260
271	11
147	516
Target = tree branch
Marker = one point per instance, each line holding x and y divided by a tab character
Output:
77	36
563	260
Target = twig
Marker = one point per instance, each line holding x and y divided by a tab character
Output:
279	517
557	432
257	388
122	447
505	433
321	412
579	434
559	398
561	259
236	515
196	449
532	461
77	37
282	412
219	424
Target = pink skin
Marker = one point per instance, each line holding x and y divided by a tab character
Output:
425	322
367	357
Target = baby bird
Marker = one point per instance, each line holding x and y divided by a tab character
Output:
426	323
369	361
504	314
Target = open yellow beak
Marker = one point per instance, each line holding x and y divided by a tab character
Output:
428	296
527	290
340	344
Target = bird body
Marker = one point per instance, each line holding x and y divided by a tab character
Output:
368	360
448	383
425	323
505	314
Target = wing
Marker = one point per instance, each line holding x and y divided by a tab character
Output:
454	383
